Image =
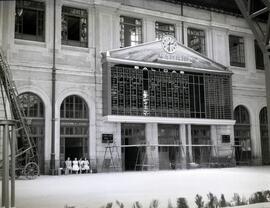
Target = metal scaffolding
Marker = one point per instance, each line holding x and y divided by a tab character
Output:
26	150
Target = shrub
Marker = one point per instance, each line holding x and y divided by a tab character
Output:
181	203
222	202
237	201
258	197
199	201
154	204
213	202
120	204
136	205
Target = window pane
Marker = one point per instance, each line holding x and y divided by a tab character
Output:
237	52
29	20
196	40
73	107
164	29
131	31
74	27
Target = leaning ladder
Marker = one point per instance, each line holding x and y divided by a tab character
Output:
144	158
113	162
27	150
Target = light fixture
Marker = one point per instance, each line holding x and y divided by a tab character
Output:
182	72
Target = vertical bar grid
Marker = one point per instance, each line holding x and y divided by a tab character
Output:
168	93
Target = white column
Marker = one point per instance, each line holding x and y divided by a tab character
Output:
214	139
183	140
255	140
117	142
151	136
149	28
189	142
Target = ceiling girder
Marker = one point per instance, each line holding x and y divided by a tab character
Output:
262	36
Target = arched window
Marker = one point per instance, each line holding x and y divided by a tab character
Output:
33	108
264	136
241	115
74	107
74	128
32	105
242	136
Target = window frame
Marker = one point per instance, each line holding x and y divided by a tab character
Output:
242	53
19	20
164	32
122	30
204	52
76	43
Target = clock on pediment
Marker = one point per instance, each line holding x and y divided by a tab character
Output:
169	43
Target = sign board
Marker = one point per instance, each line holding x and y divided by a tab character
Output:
226	139
107	138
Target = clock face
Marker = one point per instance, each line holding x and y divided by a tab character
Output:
169	43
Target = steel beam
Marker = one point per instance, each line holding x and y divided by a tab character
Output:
259	12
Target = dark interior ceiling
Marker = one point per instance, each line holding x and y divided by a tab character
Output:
222	6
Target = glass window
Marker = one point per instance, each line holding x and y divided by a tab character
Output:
241	115
131	31
258	56
237	51
74	107
32	105
30	20
74	27
164	29
196	40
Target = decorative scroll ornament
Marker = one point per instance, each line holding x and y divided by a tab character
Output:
169	43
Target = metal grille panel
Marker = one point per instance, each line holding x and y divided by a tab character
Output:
168	93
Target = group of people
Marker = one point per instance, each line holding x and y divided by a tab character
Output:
77	166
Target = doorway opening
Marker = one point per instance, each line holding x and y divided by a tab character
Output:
132	136
74	129
201	144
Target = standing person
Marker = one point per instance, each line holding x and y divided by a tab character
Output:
68	165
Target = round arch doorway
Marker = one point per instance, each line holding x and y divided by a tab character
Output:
33	108
242	138
74	125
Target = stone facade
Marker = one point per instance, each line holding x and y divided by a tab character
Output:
79	70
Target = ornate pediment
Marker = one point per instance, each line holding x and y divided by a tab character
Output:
165	53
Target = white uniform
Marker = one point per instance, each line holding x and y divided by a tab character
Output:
68	165
75	166
86	165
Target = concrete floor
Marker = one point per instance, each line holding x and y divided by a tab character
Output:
95	190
